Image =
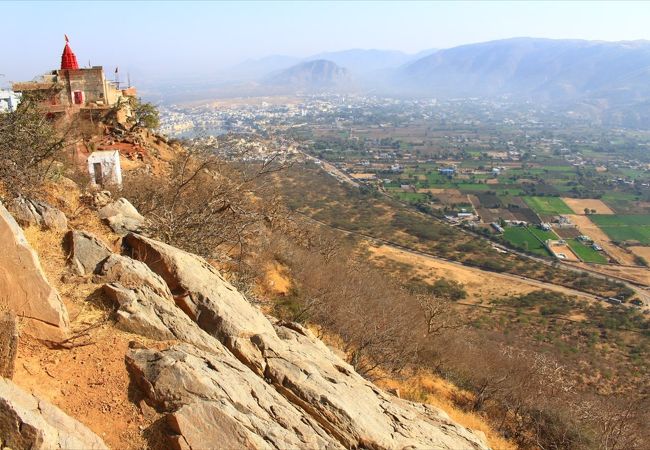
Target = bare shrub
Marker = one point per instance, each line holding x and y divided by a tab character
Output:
29	145
373	318
204	204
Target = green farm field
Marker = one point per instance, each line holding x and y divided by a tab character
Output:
547	205
625	228
523	238
586	253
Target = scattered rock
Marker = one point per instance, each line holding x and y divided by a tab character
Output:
27	422
122	216
102	198
85	252
24	289
35	212
214	401
8	344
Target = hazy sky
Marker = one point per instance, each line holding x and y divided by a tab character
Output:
172	39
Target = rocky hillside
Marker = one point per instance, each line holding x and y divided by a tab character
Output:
311	75
528	68
127	342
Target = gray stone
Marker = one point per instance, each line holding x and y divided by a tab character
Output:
35	212
143	311
299	366
122	216
85	252
102	198
24	288
132	273
214	401
205	296
27	422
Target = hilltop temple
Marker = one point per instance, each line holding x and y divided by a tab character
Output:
73	90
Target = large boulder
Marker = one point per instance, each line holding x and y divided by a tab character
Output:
143	311
85	252
35	212
205	296
27	422
214	401
299	366
24	289
122	216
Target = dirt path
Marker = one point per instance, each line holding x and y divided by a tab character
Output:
587	227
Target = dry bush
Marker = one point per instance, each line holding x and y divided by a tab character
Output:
29	145
205	205
374	319
531	398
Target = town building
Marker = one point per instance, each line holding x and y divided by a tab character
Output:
73	90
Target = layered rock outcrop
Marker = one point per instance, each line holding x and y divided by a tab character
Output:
35	212
301	369
24	288
27	422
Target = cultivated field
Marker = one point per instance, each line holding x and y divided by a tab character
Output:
586	252
526	239
639	250
587	227
625	228
578	205
548	205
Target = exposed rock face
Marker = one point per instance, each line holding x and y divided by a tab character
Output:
122	216
217	402
199	290
8	344
27	422
298	366
35	212
131	273
85	252
23	285
213	399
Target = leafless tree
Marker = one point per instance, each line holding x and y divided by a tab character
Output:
438	313
29	145
204	204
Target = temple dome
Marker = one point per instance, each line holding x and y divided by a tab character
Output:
68	58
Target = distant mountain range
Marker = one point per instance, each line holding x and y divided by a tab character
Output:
599	79
360	62
318	74
542	69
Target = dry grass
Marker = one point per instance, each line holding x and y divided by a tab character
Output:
427	388
276	280
424	387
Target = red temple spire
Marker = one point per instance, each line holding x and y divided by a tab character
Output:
68	58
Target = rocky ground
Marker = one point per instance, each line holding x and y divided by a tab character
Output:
126	342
